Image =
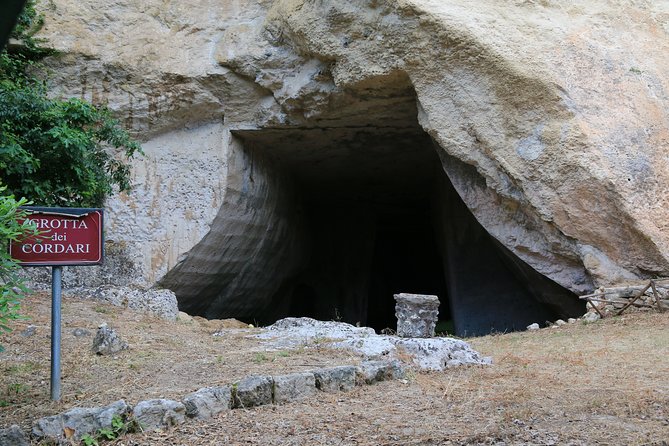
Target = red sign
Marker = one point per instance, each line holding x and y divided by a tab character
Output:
67	236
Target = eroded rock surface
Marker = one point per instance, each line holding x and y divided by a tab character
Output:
425	353
13	436
550	124
208	402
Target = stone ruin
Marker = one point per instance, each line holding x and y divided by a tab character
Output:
417	315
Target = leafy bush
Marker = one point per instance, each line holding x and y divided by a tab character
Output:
56	152
12	287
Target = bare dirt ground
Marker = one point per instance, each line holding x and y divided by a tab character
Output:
580	384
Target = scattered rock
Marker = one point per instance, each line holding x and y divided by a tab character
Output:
429	353
157	413
78	421
336	379
293	387
13	436
591	317
439	353
305	328
107	341
253	391
372	346
560	323
571	320
29	331
80	332
533	326
207	402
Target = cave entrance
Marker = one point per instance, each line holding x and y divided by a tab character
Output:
331	218
366	200
379	216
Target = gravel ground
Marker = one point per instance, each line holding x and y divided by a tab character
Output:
580	384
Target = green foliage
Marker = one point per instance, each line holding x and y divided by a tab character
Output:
12	228
27	24
16	388
119	426
87	440
12	392
260	357
56	152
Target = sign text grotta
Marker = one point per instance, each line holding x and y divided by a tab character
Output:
67	236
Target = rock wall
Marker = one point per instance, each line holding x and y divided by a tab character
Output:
541	99
253	245
550	117
178	189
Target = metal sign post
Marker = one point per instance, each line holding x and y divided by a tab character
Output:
67	236
56	281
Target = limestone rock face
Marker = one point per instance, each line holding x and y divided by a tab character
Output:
550	120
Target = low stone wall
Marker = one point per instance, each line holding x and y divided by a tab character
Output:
206	402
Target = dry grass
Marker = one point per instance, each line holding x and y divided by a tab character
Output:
601	383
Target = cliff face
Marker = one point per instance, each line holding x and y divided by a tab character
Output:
549	120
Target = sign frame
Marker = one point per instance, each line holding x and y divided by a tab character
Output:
57	272
72	213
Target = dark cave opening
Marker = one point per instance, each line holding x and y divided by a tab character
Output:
381	217
406	259
357	264
330	219
367	197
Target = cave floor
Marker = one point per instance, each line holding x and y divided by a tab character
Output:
600	383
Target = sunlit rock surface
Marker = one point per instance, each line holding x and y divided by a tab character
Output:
549	120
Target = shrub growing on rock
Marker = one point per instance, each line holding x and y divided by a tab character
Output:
56	152
11	283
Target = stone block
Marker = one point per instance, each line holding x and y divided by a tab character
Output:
78	421
253	391
416	314
157	413
335	379
293	387
13	436
161	302
373	371
207	402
